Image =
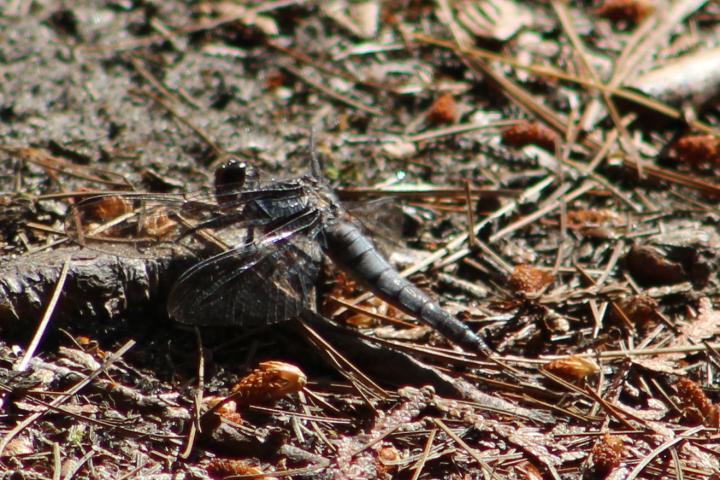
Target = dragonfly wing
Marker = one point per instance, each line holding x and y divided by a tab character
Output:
383	219
256	284
115	221
129	224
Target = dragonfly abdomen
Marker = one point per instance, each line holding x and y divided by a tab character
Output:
351	249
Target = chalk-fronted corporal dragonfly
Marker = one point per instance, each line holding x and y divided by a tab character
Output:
267	241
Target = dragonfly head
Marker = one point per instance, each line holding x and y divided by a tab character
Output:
231	178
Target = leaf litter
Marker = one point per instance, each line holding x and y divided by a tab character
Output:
568	218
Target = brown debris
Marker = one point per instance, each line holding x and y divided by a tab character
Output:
443	110
275	79
159	226
592	217
227	409
109	207
573	367
607	454
698	151
702	326
528	471
595	223
100	217
269	382
632	11
641	310
697	408
685	252
19	446
343	287
360	320
649	266
366	315
531	133
224	467
386	457
529	279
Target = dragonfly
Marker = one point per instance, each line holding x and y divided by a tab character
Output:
267	241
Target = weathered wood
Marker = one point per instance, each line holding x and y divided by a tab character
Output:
99	286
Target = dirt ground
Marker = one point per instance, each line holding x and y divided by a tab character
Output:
541	198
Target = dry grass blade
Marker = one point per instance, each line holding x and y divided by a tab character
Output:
457	130
543	112
358	379
557	198
57	461
147	75
302	416
52	162
425	453
458	241
371	314
421	191
68	412
658	26
197	398
487	470
42	326
77	466
559	123
627	143
665	446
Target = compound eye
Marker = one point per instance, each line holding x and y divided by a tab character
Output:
232	172
231	178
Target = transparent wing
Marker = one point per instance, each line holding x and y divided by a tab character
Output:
258	283
381	218
112	222
109	221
